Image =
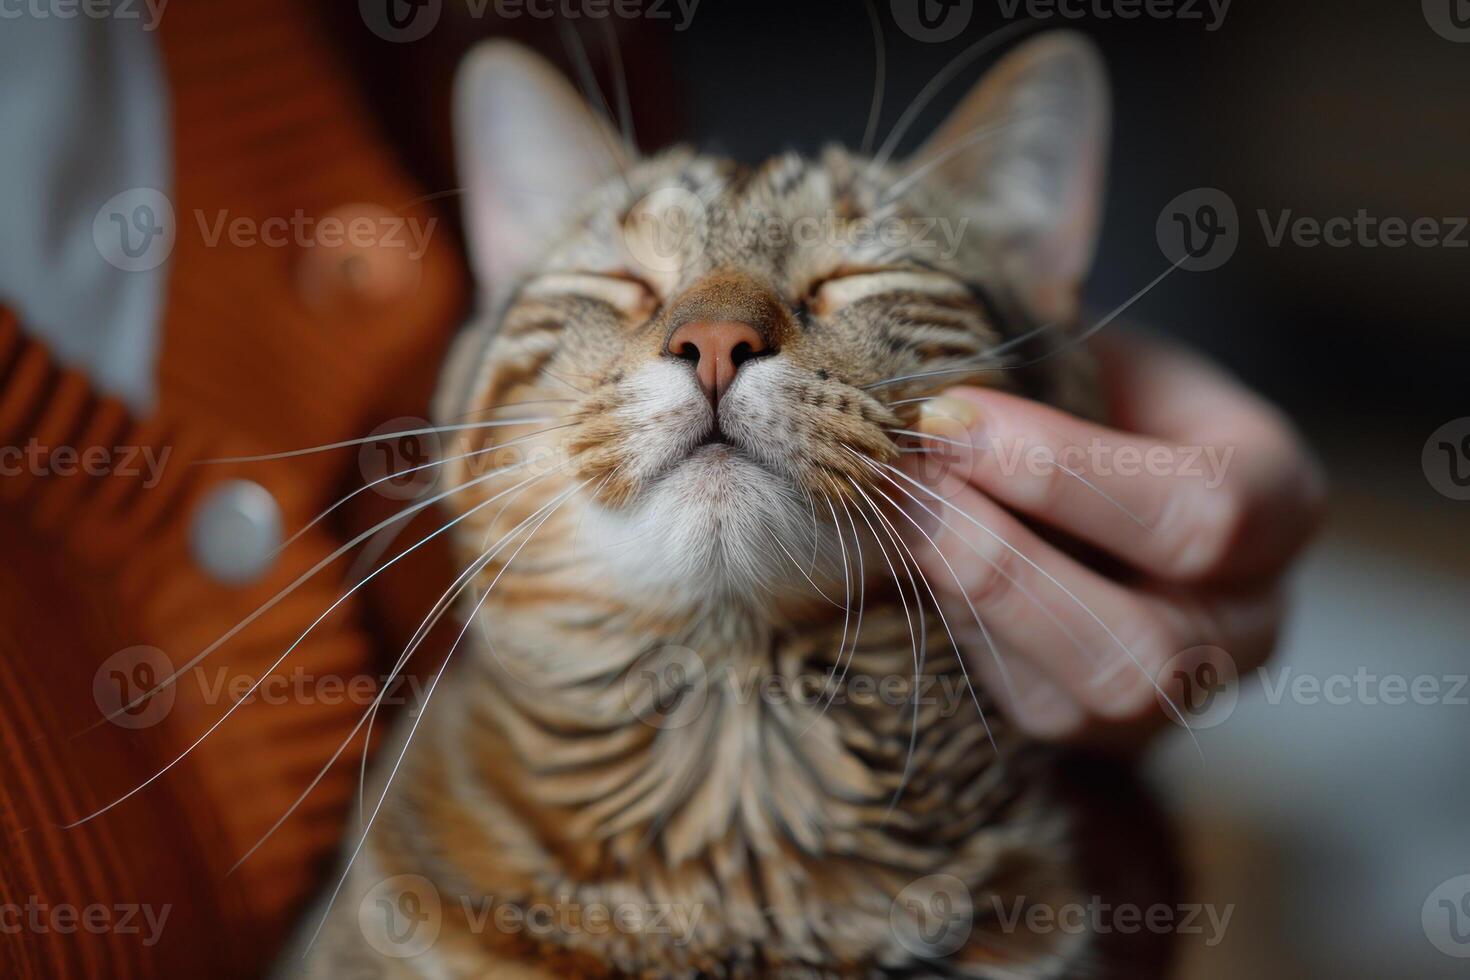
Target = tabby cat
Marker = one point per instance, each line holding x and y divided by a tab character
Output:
696	724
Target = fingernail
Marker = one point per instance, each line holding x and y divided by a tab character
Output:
1046	712
945	412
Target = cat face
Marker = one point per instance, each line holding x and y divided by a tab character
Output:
724	357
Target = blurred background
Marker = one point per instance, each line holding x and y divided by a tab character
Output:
1333	827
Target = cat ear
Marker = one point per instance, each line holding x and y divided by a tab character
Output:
1029	145
529	148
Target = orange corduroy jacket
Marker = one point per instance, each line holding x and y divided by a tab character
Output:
263	349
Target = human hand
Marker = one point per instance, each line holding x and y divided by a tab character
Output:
1202	515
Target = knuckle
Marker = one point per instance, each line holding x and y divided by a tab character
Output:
1053	723
1043	489
992	574
1201	529
1130	686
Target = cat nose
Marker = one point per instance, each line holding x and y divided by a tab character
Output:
718	348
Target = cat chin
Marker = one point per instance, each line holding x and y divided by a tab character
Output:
706	529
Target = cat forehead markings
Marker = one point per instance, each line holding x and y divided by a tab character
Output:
676	218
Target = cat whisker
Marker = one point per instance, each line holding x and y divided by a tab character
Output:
1055	462
620	83
970	140
846	616
415	469
462	582
529	401
785	551
1082	336
367	440
245	697
978	368
917	638
880	79
811	501
554	504
959	656
553	375
857	633
587	80
274	600
942	78
1041	607
371	552
1113	636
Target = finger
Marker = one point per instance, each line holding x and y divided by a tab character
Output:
1038	705
1164	509
1279	487
1099	642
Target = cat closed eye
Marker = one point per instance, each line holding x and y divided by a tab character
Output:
624	292
839	291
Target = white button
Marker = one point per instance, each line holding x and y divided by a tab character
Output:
236	531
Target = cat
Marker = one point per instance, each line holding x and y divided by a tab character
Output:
704	718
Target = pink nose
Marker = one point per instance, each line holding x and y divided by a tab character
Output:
717	348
